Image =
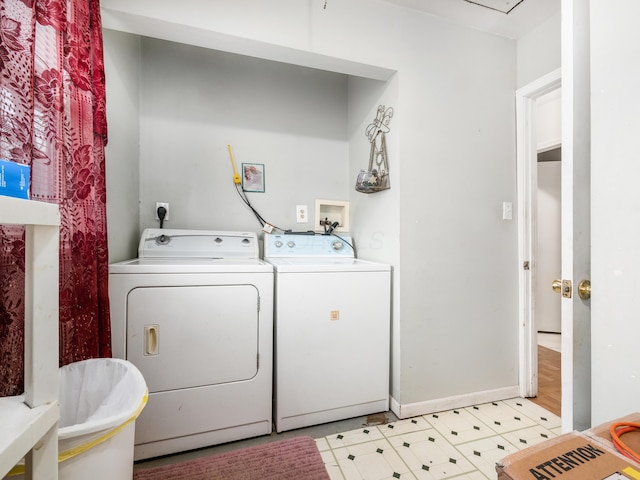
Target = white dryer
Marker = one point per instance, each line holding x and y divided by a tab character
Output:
332	330
194	313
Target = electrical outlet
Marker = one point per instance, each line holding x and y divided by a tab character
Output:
165	205
302	214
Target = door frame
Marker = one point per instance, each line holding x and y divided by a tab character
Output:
526	166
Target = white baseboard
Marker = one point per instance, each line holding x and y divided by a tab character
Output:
457	401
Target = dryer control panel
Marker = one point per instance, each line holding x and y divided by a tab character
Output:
173	243
308	245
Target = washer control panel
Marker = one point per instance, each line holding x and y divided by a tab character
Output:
307	245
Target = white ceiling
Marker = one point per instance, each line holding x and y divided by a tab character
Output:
509	18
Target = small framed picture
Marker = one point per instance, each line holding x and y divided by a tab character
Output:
253	177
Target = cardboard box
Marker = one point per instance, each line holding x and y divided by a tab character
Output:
14	179
572	456
601	433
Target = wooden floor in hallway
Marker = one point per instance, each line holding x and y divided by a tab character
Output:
549	388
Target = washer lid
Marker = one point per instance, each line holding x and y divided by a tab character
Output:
156	242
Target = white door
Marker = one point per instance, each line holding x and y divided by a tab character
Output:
615	208
576	233
600	212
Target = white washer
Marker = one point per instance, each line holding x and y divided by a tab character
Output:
194	313
332	330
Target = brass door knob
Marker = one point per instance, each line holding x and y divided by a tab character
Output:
584	289
563	287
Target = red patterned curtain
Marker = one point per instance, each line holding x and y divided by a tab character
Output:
52	117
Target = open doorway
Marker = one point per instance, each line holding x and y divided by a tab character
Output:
547	218
539	144
548	267
548	246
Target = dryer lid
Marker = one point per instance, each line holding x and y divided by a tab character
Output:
176	243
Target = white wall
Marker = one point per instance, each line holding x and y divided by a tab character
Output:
458	257
122	66
539	51
452	162
375	218
196	101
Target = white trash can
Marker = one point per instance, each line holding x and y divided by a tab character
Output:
100	400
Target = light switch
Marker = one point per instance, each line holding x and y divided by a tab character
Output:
507	210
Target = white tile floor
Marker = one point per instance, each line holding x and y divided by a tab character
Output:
460	444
